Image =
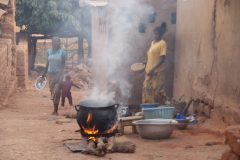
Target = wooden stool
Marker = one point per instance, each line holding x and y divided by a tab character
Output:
127	121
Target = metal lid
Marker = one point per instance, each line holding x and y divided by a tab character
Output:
40	83
96	103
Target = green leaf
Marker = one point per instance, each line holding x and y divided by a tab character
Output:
158	154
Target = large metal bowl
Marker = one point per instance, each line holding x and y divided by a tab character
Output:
182	123
155	128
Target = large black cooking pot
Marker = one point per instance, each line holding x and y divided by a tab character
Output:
104	114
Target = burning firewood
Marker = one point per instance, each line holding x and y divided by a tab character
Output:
123	147
91	148
111	141
99	148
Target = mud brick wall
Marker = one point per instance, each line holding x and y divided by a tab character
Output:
8	21
5	61
7	80
232	134
8	29
207	57
22	62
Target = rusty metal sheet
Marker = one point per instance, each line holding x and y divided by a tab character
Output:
5	2
2	12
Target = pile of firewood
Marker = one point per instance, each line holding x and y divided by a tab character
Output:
81	76
108	145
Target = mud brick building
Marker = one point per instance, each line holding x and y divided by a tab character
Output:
8	79
13	66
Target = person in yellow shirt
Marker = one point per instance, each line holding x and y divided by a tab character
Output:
153	85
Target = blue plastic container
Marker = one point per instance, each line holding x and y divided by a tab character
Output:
149	105
159	112
179	116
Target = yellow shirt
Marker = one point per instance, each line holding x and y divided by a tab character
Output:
156	50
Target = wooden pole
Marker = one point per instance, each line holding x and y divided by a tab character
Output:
29	53
80	49
34	44
89	50
67	47
187	106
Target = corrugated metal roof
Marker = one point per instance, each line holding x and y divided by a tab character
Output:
93	3
5	2
2	12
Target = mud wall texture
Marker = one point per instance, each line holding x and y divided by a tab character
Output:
132	46
6	61
22	62
8	29
7	80
207	57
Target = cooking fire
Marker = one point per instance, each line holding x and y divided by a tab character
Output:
98	121
93	130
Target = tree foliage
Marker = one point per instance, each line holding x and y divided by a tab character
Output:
52	15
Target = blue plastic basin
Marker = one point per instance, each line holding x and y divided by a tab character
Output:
159	112
149	105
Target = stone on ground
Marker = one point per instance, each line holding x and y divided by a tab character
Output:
229	155
232	134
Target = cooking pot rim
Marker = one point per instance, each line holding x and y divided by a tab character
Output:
96	103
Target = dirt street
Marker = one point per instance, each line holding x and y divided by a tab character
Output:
28	131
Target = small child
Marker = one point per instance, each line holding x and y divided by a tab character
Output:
66	87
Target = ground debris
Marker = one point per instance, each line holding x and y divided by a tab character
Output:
61	121
74	116
158	155
188	147
44	96
212	143
50	119
61	130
